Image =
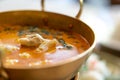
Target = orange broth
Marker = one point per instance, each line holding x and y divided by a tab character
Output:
27	56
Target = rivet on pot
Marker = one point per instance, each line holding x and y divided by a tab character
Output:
45	21
70	26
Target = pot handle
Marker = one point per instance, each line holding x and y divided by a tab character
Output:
78	14
3	74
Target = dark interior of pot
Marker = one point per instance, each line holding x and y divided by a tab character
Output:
53	20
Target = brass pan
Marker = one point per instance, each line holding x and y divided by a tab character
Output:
61	70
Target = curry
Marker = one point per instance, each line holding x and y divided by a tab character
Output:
36	45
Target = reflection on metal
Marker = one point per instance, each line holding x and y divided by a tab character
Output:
80	10
77	76
3	74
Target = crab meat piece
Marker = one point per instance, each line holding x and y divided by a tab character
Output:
25	55
47	45
37	40
31	40
5	48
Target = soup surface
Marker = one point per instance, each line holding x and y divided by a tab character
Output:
20	47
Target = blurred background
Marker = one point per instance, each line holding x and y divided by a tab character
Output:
103	16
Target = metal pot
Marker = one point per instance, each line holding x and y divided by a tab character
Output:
63	70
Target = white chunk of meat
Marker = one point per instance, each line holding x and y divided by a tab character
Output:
5	48
37	40
25	55
47	45
31	40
